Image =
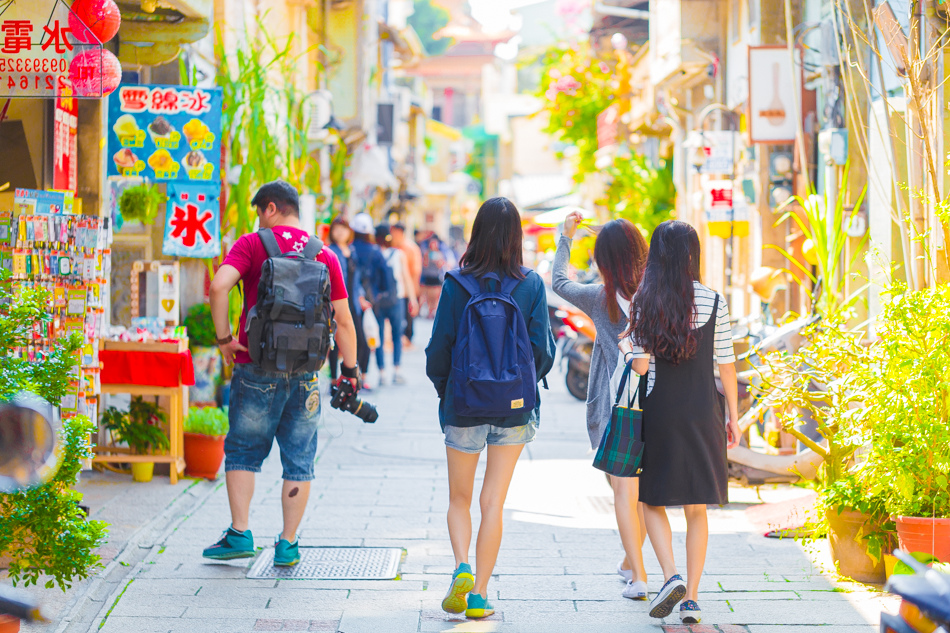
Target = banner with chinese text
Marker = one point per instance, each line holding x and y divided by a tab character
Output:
192	221
170	133
44	48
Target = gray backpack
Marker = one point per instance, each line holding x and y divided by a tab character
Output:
290	327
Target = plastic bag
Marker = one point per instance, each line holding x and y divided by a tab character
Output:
371	329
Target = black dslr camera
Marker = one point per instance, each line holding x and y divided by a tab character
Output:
344	398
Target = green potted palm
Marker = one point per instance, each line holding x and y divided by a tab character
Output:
907	400
205	429
204	353
140	429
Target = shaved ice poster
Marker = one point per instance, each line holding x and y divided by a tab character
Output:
165	133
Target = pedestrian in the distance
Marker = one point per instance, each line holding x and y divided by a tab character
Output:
341	236
269	402
373	274
679	331
433	272
620	253
486	355
414	264
393	308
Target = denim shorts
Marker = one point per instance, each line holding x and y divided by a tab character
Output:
268	405
472	439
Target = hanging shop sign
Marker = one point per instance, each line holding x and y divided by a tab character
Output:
48	50
192	221
726	209
607	122
775	86
170	133
65	128
715	150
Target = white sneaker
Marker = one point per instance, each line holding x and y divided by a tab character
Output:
626	574
635	590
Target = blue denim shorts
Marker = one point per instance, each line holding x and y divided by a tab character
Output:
268	405
472	439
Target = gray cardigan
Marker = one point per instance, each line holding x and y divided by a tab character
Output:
590	299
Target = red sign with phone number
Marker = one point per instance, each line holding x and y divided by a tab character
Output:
42	69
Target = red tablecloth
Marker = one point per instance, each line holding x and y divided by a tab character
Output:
158	369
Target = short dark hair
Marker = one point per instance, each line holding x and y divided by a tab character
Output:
282	194
383	234
497	240
399	226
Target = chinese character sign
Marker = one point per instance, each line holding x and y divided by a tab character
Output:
192	221
46	50
166	133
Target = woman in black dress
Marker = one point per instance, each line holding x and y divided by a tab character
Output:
681	330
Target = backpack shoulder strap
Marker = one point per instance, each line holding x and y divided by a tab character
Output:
313	248
508	284
466	281
270	243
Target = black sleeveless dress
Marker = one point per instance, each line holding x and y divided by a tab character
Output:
684	458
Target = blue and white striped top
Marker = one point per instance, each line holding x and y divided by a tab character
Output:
703	302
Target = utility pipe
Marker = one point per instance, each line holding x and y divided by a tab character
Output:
621	12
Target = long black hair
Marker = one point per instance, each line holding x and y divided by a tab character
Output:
497	240
662	310
621	253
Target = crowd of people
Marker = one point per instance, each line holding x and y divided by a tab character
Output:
490	348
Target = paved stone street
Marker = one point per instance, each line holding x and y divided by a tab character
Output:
385	485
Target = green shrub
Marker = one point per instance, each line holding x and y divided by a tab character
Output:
207	421
139	428
201	326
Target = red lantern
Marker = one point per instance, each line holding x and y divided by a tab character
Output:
95	73
99	18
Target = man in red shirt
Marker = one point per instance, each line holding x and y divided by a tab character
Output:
268	405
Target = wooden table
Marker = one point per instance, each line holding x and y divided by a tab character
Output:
177	405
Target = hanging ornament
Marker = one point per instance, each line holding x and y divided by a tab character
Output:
99	18
95	73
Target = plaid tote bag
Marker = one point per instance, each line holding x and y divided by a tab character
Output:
621	447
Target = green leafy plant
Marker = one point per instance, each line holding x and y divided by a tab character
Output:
427	19
640	193
43	530
207	421
201	326
140	203
907	404
139	428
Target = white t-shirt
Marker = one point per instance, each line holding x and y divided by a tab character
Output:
703	301
396	260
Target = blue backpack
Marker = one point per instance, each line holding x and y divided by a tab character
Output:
493	368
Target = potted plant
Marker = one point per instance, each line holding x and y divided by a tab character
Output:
205	429
43	531
908	401
205	354
140	203
140	429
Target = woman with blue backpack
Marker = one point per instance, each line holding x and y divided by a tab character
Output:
491	344
620	253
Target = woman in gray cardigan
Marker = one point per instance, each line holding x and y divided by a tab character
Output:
620	254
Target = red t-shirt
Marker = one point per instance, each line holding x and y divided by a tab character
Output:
248	255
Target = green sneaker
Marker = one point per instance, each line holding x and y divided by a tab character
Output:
463	581
286	554
233	544
478	607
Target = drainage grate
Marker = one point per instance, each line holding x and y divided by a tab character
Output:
332	563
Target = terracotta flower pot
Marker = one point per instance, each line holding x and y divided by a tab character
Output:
849	550
142	471
9	624
203	455
923	534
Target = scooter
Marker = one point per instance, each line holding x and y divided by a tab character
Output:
925	599
577	334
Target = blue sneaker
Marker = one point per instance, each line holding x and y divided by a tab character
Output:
286	554
463	581
478	607
233	544
690	613
672	592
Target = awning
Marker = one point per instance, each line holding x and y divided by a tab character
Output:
536	189
371	170
152	35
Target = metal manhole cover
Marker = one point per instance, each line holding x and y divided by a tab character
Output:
333	563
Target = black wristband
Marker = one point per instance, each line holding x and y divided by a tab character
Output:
349	372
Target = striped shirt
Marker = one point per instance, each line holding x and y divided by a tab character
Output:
703	303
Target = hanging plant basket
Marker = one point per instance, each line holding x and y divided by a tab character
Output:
140	203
